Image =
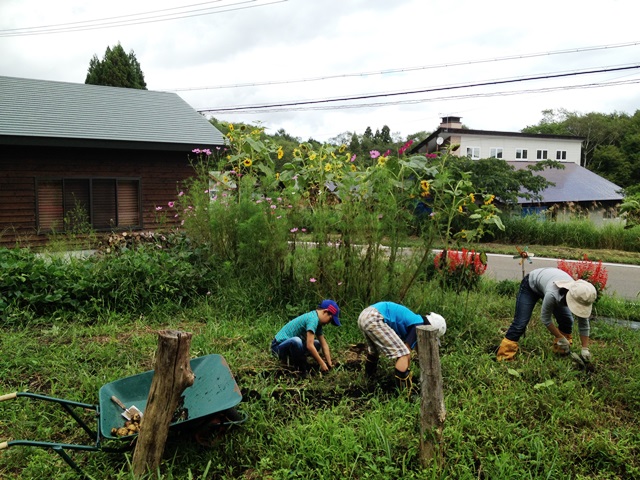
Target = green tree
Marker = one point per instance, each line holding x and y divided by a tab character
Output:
116	69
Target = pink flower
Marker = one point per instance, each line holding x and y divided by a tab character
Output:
171	204
196	150
312	280
304	229
273	207
158	208
387	153
431	155
181	194
206	191
294	230
353	157
374	153
206	151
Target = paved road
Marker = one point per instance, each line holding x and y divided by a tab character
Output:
624	280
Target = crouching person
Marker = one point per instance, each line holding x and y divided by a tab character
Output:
303	336
562	297
390	330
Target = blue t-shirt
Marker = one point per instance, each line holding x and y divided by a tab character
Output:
399	318
299	326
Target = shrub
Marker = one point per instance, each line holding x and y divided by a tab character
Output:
592	272
460	270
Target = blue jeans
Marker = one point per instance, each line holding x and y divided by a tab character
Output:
525	302
292	350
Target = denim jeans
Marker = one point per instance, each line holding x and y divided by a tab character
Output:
293	350
525	302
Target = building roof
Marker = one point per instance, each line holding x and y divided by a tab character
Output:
47	113
573	184
446	132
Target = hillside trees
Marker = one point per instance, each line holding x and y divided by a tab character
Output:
611	145
116	69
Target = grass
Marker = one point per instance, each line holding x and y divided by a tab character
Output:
538	417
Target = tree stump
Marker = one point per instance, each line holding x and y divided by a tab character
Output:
172	375
432	409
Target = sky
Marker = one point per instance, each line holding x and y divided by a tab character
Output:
481	61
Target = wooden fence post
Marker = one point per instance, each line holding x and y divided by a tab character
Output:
432	409
172	375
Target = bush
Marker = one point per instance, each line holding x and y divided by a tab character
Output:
460	270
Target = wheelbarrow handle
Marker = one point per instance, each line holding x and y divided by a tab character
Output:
8	396
4	445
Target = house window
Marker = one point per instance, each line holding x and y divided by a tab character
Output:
561	154
496	152
521	154
473	153
541	155
104	203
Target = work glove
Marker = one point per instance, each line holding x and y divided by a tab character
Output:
403	380
562	346
585	354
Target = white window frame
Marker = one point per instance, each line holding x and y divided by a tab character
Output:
521	153
542	154
561	154
496	152
473	153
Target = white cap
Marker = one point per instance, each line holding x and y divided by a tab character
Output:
436	322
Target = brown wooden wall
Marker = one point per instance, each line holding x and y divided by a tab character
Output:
161	175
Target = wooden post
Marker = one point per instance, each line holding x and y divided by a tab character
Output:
171	377
432	410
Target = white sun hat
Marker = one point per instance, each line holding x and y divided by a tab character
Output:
580	296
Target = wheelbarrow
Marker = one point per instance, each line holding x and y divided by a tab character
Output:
213	392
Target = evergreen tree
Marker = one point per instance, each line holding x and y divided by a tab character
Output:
116	69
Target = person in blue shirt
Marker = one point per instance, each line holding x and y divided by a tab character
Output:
390	329
302	337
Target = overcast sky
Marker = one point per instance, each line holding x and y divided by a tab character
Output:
238	53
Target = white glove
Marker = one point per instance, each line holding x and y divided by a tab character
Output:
585	354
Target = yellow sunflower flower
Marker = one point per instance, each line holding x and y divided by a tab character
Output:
327	167
460	208
297	153
280	153
424	185
472	197
382	161
312	156
353	167
247	162
231	127
489	200
342	148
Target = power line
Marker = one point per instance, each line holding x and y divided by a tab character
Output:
411	92
436	99
408	69
91	25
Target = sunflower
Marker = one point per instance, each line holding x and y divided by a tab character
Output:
424	185
280	153
327	167
342	148
381	161
247	162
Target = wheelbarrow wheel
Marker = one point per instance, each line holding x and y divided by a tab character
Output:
211	431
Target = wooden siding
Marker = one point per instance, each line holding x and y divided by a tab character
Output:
161	176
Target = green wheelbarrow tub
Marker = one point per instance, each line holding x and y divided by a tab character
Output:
214	390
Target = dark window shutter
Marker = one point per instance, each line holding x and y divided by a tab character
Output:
128	203
104	204
50	206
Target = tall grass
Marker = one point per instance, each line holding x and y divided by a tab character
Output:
574	233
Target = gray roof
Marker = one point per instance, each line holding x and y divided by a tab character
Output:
41	112
574	184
